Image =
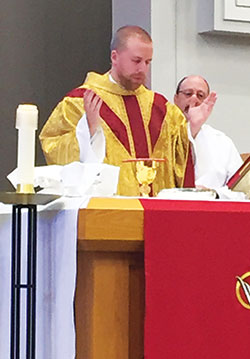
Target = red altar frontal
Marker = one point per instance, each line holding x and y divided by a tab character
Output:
197	266
197	270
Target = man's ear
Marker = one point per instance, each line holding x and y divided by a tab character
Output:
113	56
175	98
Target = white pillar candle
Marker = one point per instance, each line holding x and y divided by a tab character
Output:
26	124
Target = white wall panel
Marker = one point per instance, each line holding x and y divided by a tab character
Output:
226	16
237	10
223	60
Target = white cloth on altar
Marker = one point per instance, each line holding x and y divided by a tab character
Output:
56	281
75	179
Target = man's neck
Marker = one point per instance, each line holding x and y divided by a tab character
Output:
111	78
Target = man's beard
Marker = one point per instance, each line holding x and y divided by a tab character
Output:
129	84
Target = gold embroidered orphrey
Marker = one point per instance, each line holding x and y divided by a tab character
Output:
245	286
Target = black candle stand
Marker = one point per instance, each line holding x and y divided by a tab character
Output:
20	203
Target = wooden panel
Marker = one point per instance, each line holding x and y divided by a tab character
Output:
83	305
110	305
137	307
111	224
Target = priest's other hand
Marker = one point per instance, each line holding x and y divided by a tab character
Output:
198	115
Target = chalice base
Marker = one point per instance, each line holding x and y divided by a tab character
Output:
144	190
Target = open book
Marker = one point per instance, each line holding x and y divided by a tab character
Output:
240	181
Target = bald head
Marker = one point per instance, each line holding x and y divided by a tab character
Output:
192	78
121	36
190	87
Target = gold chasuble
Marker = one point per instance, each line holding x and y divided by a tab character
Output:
136	124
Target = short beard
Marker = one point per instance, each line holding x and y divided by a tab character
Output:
128	84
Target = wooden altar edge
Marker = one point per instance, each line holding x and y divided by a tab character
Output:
111	224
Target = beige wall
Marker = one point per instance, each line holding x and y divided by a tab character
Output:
224	60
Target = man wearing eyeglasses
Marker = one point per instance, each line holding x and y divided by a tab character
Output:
215	156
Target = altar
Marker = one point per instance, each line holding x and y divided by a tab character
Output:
110	280
175	270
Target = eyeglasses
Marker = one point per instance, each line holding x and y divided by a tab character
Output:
189	93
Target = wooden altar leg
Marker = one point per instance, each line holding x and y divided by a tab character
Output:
110	305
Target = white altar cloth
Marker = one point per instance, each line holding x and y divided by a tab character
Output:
56	280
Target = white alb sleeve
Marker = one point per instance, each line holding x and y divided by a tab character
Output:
92	149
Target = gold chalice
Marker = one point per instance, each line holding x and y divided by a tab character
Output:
146	169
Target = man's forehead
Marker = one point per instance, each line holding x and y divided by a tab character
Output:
196	82
136	41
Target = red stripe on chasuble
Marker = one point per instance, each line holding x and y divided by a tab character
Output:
137	126
193	252
116	126
189	179
158	114
111	119
78	92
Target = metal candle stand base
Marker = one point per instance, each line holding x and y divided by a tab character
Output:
29	286
21	202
